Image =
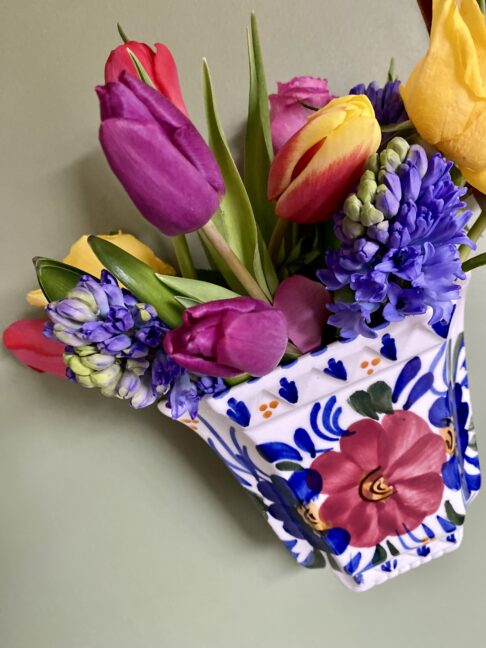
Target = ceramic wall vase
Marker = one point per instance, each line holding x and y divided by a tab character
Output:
361	455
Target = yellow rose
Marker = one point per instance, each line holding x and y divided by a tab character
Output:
445	96
82	256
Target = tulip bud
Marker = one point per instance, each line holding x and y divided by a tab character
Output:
159	157
229	337
316	169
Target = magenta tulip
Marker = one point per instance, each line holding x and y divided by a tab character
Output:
287	112
303	302
229	337
159	157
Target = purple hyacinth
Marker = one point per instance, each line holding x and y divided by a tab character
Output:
399	236
113	342
386	101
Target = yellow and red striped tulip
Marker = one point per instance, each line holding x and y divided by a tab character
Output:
445	96
315	170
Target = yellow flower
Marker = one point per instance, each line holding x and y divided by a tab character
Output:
445	96
82	256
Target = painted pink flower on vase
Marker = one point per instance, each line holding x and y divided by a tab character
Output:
385	480
287	114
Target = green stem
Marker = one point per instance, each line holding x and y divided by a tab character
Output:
184	258
474	234
482	6
276	239
237	268
475	262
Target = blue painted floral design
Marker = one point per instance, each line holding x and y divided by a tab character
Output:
238	412
288	390
336	369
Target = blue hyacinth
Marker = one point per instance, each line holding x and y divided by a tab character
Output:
399	235
114	343
387	102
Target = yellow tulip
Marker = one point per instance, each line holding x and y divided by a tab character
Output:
445	96
82	256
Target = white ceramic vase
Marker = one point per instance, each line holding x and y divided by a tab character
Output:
362	455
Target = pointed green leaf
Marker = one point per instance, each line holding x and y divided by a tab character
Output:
141	71
234	220
258	141
55	278
455	518
381	397
139	279
379	556
361	402
315	560
200	291
121	31
392	549
185	302
288	465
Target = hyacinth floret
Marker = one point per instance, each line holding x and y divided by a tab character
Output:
399	234
114	342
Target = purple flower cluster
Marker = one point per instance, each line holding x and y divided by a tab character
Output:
114	343
399	238
387	102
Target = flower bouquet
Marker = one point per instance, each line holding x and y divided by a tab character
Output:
321	352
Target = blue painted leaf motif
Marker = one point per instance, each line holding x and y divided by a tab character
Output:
338	540
390	565
276	451
238	412
428	531
388	347
451	474
451	538
445	524
473	482
336	369
442	327
288	390
440	413
358	579
421	387
423	551
306	484
353	564
408	373
304	442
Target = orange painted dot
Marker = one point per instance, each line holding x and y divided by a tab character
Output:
273	404
262	408
193	427
369	372
267	414
375	361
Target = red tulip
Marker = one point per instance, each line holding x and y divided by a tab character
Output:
26	341
317	168
159	65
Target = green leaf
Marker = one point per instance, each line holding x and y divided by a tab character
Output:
121	31
142	73
361	402
288	465
139	279
476	262
459	343
392	549
258	141
200	291
381	397
234	220
315	560
379	556
391	76
56	279
455	518
185	302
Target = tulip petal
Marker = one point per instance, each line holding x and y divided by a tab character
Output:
119	61
303	302
319	192
475	178
167	77
155	175
26	341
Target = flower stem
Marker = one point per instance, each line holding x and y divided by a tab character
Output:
241	273
474	234
276	239
184	258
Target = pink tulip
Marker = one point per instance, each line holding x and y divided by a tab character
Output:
229	337
25	340
287	114
303	302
